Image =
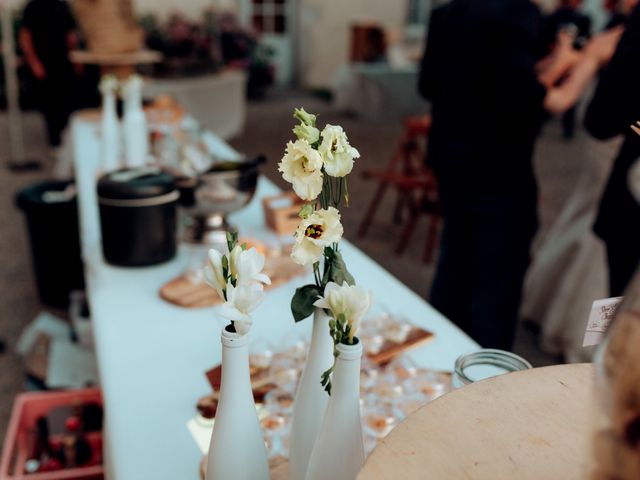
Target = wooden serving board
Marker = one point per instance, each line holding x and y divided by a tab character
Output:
183	292
389	350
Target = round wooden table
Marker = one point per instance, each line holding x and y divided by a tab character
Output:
533	425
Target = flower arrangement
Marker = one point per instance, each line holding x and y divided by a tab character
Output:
317	164
238	279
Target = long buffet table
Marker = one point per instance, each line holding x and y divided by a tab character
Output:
152	355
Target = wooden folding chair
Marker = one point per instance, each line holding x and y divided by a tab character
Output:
414	183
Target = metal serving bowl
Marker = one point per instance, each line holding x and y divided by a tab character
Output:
208	198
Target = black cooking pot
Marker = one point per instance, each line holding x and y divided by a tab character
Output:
138	216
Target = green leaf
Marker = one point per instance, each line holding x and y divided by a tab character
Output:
302	301
225	266
325	379
335	270
232	239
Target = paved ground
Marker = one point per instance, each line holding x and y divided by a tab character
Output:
267	130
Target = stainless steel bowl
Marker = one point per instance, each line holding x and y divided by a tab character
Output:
210	197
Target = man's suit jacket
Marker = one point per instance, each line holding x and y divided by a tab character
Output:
478	72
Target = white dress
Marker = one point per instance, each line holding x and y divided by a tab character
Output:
569	269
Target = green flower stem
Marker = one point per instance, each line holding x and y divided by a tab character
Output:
316	274
340	331
324	194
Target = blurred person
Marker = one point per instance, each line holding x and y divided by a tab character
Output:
567	17
569	257
613	108
46	36
480	73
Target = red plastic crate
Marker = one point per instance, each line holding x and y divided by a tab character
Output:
27	407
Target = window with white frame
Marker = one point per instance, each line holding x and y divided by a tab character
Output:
270	16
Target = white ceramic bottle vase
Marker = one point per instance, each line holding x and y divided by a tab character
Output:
110	130
136	133
338	453
237	450
311	399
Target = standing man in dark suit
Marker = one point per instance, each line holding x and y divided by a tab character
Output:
46	36
479	73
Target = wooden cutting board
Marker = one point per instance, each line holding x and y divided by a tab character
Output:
183	292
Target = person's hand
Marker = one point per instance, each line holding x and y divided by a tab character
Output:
38	70
563	58
566	56
602	47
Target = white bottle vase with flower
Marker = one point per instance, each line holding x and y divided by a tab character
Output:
110	129
338	452
310	400
237	450
135	130
316	165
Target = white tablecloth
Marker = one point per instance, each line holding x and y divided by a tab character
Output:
152	355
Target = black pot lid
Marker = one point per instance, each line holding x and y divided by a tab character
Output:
132	183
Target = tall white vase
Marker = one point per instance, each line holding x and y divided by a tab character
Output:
237	450
338	453
311	399
134	124
110	138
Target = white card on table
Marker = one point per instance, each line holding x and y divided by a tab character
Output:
602	313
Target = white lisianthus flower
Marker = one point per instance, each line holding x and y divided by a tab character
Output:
213	274
336	152
307	132
317	231
241	300
246	266
350	301
302	167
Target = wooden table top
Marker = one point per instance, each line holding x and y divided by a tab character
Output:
528	425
